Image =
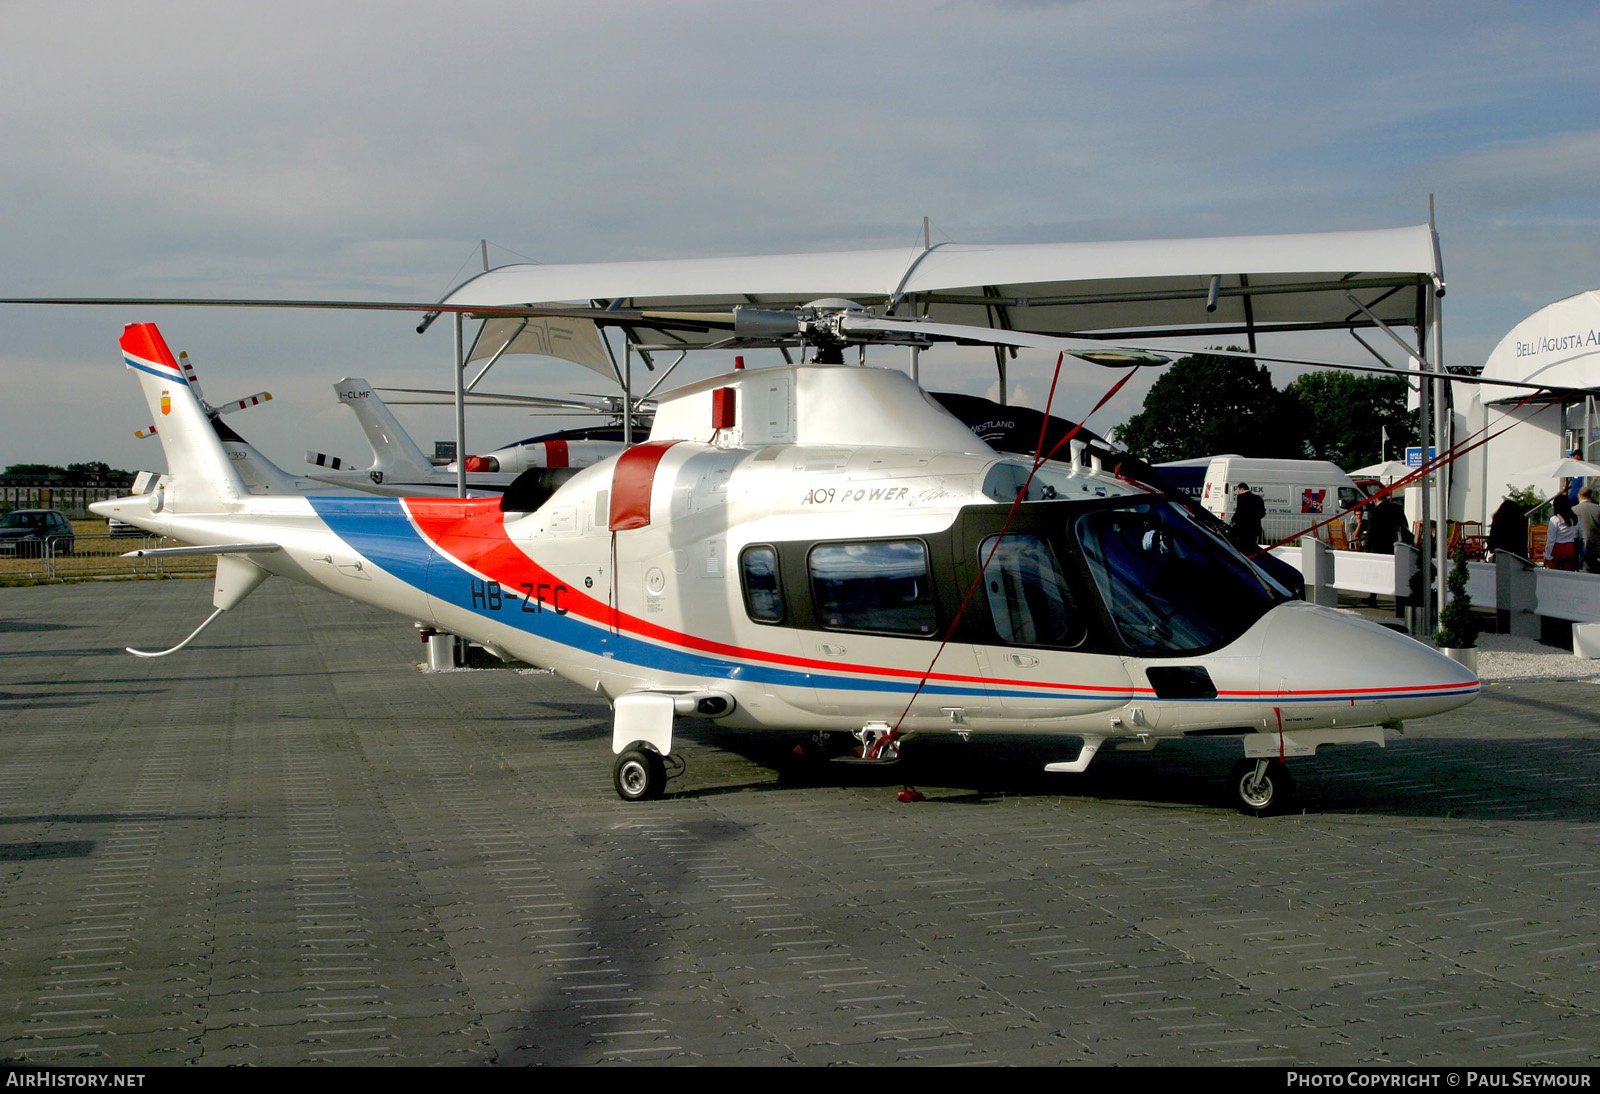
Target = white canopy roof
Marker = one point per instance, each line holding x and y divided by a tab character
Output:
1132	287
1557	345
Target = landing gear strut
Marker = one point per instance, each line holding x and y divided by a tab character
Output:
1261	787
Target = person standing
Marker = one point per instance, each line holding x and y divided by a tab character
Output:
1561	544
1588	513
1386	526
1248	512
1508	529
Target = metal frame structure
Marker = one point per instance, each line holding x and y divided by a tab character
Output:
1142	291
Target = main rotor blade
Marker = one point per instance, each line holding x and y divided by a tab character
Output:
1113	352
760	324
1401	373
1088	349
620	317
485	398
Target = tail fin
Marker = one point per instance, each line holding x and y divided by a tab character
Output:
200	475
259	474
394	454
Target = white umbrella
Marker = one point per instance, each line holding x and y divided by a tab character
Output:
1565	468
1385	472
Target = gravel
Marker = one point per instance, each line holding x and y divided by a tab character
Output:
1502	657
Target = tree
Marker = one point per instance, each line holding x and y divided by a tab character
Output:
1207	406
94	473
31	470
1457	629
1343	416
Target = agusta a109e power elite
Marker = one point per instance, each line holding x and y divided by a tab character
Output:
822	549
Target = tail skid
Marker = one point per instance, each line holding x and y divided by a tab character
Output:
162	653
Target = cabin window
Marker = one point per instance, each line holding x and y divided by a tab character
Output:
763	598
1167	586
882	585
1028	596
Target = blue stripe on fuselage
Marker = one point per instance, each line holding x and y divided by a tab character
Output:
379	529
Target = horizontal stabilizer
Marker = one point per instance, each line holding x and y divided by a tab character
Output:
220	549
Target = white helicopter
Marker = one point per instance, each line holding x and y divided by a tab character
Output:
400	469
820	548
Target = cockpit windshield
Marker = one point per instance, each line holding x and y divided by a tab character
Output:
1168	586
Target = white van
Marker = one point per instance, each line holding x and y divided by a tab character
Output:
1298	494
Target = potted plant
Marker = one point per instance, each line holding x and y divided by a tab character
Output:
1457	637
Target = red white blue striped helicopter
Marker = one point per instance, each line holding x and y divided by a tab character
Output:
821	549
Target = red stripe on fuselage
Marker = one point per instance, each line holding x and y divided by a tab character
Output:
631	483
474	534
555	454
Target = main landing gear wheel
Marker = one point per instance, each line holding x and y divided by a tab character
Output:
1271	793
639	775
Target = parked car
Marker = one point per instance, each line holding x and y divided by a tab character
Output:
27	532
122	528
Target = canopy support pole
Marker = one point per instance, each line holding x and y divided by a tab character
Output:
1441	418
663	377
460	370
627	393
484	371
1381	325
1249	312
1441	429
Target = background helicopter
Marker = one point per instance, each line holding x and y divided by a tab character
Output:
399	466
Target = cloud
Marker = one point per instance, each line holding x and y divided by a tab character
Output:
360	150
1534	173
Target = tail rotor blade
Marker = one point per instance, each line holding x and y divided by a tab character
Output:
246	403
190	375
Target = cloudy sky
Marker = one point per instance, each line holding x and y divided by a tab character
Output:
361	150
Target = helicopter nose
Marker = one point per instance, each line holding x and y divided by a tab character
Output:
1344	666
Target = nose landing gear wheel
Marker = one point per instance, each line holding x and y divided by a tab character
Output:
1271	793
639	775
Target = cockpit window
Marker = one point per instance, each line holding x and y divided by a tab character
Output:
1167	586
1027	592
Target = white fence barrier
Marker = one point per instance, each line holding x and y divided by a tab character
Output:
1557	594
